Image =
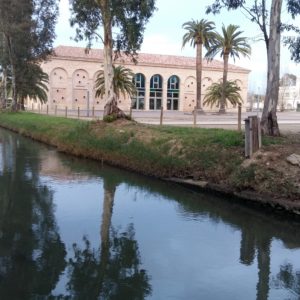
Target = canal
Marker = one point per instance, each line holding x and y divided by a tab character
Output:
73	229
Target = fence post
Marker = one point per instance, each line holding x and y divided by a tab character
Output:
195	116
130	112
252	135
259	133
66	111
47	109
161	115
93	112
78	113
239	117
87	103
247	137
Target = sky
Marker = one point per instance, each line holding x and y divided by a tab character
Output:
163	35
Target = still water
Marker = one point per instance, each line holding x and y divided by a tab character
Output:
73	229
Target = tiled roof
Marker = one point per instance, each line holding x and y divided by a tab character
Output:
143	58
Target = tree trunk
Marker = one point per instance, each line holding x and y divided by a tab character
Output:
111	106
269	124
108	202
13	72
225	72
4	89
199	75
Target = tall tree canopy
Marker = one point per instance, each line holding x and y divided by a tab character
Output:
27	30
267	15
128	18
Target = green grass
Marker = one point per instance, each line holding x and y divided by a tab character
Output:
155	150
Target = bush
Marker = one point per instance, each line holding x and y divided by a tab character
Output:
110	118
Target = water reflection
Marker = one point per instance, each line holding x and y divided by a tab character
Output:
30	246
35	258
114	271
288	279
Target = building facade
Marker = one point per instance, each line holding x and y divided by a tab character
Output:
161	80
289	96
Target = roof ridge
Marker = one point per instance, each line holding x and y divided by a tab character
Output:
163	59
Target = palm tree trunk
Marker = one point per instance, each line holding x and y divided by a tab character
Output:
225	72
269	124
199	75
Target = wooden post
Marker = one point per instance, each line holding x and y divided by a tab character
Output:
161	115
195	116
259	133
47	109
130	112
55	110
247	137
93	112
78	113
66	111
87	103
252	135
239	117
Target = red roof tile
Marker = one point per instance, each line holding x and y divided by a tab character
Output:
143	58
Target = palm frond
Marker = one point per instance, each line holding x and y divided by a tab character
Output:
214	94
122	82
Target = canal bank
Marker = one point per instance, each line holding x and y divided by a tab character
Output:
207	159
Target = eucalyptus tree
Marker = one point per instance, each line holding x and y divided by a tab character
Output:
229	43
28	31
127	18
122	82
213	95
199	34
267	15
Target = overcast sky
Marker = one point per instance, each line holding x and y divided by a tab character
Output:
164	33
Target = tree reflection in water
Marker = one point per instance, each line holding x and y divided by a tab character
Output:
32	255
114	271
288	279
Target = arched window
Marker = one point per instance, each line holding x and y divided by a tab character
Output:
155	100
138	100
173	93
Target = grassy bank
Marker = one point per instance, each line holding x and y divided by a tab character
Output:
211	155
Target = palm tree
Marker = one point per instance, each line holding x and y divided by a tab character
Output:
31	83
199	34
213	96
230	43
122	82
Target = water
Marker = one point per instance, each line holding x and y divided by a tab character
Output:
71	229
